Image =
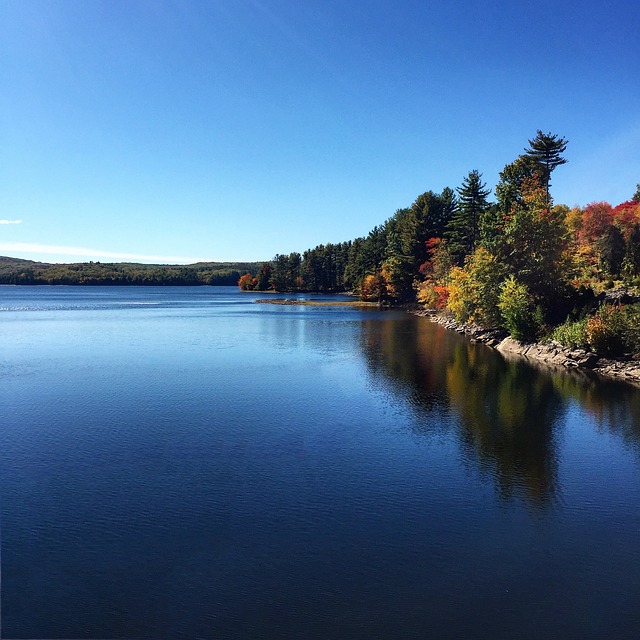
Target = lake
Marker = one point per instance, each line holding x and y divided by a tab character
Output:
186	463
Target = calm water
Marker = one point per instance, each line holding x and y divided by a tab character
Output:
185	463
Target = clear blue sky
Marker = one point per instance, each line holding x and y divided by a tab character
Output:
177	130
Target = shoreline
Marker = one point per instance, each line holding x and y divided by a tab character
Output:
552	355
318	303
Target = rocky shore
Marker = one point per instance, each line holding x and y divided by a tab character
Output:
551	354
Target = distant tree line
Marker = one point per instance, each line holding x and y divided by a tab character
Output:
395	248
16	271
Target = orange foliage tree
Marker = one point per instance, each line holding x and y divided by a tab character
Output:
247	282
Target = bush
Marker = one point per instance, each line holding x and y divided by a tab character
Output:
610	330
520	318
572	334
632	337
432	296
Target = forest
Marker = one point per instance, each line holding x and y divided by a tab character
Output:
17	271
520	262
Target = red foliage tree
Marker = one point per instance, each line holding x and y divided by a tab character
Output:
625	216
596	219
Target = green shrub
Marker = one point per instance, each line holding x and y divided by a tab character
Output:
572	334
519	317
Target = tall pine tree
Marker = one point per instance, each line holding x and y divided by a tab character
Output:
546	150
463	229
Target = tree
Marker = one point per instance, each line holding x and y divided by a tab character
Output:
247	282
449	202
546	149
474	290
490	227
516	307
596	219
636	195
611	246
263	278
632	253
625	216
509	188
399	267
372	288
433	213
486	274
463	228
432	291
533	245
279	275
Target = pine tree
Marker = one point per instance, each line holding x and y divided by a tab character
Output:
546	149
463	228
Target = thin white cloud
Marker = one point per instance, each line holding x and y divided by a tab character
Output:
10	221
8	248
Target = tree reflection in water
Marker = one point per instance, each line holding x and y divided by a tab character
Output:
507	412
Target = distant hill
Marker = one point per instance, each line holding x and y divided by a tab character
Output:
19	271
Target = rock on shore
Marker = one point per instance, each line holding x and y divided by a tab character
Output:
552	354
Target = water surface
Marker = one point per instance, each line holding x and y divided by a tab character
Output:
185	463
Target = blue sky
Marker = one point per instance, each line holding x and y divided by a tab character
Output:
176	131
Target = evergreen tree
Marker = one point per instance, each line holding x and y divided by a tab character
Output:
611	246
632	252
546	149
280	275
449	202
463	229
490	227
636	195
433	212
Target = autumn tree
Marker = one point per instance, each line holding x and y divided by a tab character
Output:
626	215
573	222
247	282
433	291
372	288
509	190
474	290
596	217
533	244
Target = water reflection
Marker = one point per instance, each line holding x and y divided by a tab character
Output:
508	413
